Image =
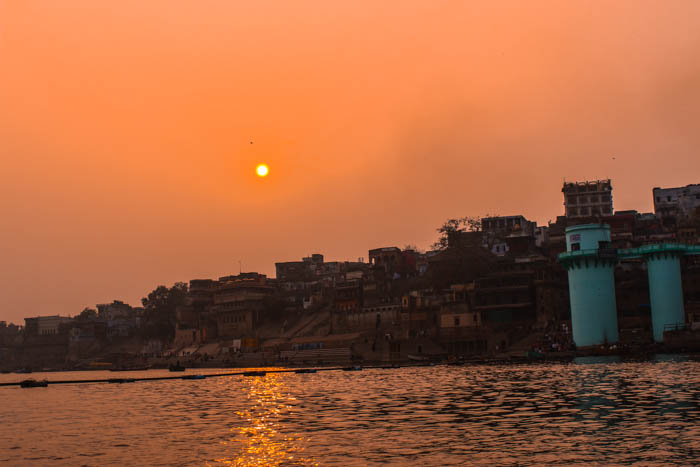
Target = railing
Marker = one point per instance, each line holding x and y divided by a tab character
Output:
675	327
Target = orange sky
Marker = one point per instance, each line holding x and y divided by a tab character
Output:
125	129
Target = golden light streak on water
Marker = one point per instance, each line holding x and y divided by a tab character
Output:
259	441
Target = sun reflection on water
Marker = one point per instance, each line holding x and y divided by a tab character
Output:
258	440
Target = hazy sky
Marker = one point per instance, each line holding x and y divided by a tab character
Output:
125	129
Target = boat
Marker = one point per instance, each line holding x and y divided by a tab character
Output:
176	367
23	371
32	383
255	373
305	370
352	368
193	377
418	358
534	354
135	368
120	380
391	367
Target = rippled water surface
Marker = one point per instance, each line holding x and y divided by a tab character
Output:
604	413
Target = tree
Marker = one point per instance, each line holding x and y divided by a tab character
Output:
88	314
159	310
411	246
467	223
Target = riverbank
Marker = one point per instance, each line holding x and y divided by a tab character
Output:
262	360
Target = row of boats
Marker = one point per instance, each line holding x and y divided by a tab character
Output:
32	383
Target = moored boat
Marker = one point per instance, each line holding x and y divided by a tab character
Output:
418	358
32	383
193	377
134	368
121	380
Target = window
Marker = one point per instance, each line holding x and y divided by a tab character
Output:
603	244
658	199
456	320
575	246
668	198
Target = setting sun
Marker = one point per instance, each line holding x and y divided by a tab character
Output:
261	170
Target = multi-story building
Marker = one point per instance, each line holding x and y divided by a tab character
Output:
121	319
238	302
670	203
45	325
195	320
387	258
588	199
508	225
299	271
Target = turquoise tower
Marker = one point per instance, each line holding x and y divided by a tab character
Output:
591	264
665	286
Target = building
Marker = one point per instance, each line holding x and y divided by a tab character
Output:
122	319
299	271
195	323
671	203
505	298
238	302
589	198
508	234
387	258
45	325
541	236
508	225
115	310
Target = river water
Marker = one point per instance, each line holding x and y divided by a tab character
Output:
583	412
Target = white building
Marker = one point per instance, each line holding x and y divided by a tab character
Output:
674	202
45	325
588	199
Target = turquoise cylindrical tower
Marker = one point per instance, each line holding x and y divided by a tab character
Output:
591	284
665	288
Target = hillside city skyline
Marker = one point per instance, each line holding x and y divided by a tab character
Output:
360	258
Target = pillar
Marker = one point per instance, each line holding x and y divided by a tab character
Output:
591	284
666	292
593	306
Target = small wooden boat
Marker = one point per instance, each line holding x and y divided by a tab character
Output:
32	383
352	368
120	380
254	373
305	370
193	377
418	358
135	368
534	354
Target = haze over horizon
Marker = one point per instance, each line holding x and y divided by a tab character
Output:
130	131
